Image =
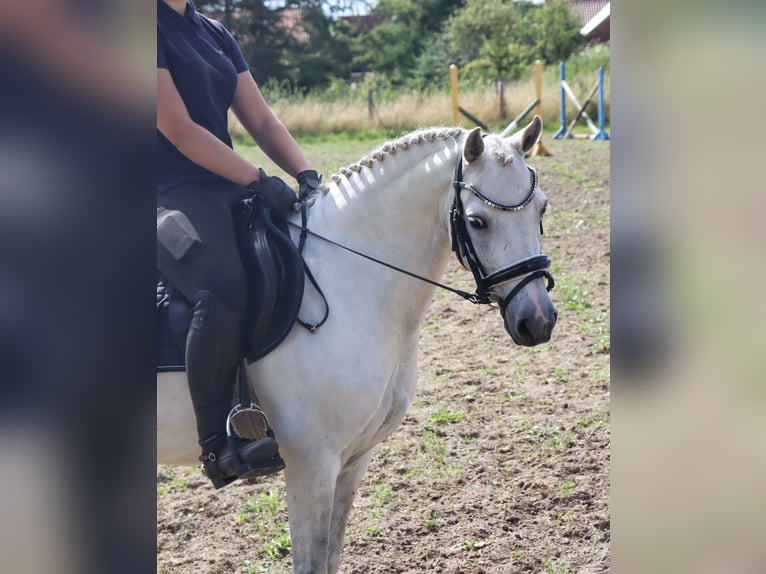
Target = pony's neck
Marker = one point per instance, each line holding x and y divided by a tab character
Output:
398	198
395	208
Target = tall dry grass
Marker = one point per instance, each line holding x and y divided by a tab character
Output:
407	110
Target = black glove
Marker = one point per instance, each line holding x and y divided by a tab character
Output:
308	182
275	193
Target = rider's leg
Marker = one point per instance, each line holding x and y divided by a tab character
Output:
210	275
212	357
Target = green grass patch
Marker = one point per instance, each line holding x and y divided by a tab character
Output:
573	294
567	488
445	417
267	504
568	172
279	546
177	483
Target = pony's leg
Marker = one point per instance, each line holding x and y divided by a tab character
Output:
310	493
345	491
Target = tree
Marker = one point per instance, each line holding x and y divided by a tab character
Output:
264	42
500	38
487	31
393	47
558	33
325	53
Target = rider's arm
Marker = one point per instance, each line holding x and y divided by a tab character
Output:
267	130
193	140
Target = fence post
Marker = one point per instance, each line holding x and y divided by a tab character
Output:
370	105
453	85
601	135
501	99
563	129
539	148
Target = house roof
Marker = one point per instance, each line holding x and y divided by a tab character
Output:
597	29
599	19
586	9
364	22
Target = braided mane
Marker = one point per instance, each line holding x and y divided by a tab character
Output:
390	148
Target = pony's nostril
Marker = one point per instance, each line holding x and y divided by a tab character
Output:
523	329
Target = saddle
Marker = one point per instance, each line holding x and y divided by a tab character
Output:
275	279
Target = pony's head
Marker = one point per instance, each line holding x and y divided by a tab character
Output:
496	221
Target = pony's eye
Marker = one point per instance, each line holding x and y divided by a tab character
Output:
476	222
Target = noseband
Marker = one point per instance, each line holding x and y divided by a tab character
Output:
530	268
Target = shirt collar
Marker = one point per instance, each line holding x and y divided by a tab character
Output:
165	11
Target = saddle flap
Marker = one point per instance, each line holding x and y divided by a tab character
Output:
276	281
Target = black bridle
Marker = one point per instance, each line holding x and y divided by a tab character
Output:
530	268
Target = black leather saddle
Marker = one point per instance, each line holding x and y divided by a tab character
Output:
276	280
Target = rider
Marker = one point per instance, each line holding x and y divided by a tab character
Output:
201	73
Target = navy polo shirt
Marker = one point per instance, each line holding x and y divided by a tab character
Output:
204	60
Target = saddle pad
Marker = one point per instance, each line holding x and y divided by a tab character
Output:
170	356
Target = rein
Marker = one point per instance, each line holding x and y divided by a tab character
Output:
472	297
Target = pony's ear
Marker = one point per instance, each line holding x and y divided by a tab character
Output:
527	138
474	145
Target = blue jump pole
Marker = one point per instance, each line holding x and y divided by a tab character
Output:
601	135
563	129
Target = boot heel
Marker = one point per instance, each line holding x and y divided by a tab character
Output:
263	468
221	481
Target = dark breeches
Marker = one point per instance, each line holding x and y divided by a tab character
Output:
197	250
213	264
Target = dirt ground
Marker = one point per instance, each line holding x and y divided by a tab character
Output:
502	463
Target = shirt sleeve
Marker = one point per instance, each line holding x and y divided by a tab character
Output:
161	58
235	53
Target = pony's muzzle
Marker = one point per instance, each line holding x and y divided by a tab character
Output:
530	319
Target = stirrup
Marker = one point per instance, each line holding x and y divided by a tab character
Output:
248	422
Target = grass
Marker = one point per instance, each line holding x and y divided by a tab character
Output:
266	508
575	296
551	568
512	397
177	483
567	488
381	496
555	440
430	521
568	172
445	417
279	545
266	515
595	419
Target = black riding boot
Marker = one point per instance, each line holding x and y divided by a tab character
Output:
212	358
